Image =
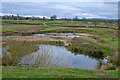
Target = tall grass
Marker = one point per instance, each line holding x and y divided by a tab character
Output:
13	51
112	62
28	54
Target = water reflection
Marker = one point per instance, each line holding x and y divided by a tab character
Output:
25	55
12	52
57	35
41	58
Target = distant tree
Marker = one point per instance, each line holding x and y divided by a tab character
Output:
28	18
84	20
18	18
51	18
54	17
76	18
95	22
12	16
44	18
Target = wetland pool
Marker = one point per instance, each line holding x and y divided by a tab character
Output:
47	56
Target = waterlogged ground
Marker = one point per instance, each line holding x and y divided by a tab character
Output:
50	35
25	47
26	54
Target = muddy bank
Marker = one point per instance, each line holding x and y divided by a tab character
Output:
83	30
37	38
68	34
14	33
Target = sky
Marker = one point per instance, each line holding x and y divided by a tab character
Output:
106	10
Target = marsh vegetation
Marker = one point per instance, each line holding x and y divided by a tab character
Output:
40	55
23	41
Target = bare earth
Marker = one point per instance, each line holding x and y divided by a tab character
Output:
37	38
44	38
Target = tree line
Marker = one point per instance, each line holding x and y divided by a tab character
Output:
54	17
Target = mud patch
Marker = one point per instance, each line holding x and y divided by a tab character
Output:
53	72
77	41
9	33
33	29
83	30
112	32
36	38
81	34
107	75
10	69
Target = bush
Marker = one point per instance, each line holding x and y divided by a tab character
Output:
114	59
87	50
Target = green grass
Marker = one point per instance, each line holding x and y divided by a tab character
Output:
57	43
49	23
105	46
11	28
106	41
51	28
17	72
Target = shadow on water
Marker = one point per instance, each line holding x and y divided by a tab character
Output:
28	54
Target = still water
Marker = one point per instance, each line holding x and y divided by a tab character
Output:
51	56
59	35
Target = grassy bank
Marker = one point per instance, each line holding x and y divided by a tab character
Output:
57	43
104	41
17	72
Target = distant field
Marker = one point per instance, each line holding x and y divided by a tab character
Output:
13	25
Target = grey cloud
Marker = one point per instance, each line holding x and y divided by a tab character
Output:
63	9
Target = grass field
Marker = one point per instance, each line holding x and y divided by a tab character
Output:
15	24
103	42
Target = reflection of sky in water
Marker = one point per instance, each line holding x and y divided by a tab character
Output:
4	51
66	58
75	61
56	56
60	35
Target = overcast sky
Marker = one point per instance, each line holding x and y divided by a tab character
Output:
107	10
